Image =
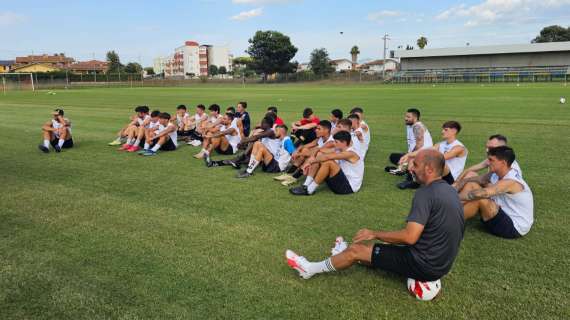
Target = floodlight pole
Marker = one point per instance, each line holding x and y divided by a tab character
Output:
385	38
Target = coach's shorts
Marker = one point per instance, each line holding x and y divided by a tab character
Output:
399	260
272	167
339	184
449	179
66	145
168	146
502	226
228	151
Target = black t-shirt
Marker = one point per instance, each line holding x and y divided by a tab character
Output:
438	208
245	120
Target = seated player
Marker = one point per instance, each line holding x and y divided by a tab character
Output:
264	131
360	113
57	133
274	154
141	114
453	151
182	121
343	170
143	130
360	133
225	140
304	129
494	141
424	249
165	138
308	151
335	117
278	121
243	115
194	126
506	206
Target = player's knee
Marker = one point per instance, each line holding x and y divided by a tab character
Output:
356	251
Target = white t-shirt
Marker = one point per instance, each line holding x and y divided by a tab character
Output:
515	166
428	142
173	135
354	172
282	156
321	142
140	120
56	125
519	206
234	140
457	164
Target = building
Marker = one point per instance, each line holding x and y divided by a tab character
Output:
56	60
35	68
159	64
219	57
6	65
341	65
301	67
377	66
89	67
193	60
543	55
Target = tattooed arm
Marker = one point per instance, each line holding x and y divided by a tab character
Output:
501	187
418	131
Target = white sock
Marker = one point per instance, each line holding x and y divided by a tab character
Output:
129	141
308	181
320	267
156	147
206	152
252	165
46	143
60	143
146	146
312	187
137	142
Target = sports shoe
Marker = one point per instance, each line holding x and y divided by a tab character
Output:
397	172
125	147
134	148
143	151
408	185
282	177
57	148
116	142
244	175
232	163
298	263
339	246
207	161
149	153
43	148
289	181
390	168
195	143
299	191
199	155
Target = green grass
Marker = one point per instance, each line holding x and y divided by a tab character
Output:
94	233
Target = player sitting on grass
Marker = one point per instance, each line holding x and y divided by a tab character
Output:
304	129
141	114
141	132
360	134
182	121
148	132
304	152
363	125
335	117
274	154
342	169
424	250
494	141
505	206
165	138
243	115
225	140
264	131
453	150
57	133
195	124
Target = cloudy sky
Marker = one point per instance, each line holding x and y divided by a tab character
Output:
141	30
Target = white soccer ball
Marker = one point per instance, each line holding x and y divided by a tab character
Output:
424	291
562	100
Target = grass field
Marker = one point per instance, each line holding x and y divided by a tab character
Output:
94	233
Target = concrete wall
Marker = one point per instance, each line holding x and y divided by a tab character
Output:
219	56
543	59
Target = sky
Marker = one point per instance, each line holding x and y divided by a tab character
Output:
141	30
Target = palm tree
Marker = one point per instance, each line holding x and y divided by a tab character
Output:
354	52
422	42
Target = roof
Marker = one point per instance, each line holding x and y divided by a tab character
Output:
337	61
7	62
191	43
45	59
378	62
23	66
89	65
485	50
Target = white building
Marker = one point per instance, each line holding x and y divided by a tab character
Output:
342	65
377	66
159	64
193	60
219	57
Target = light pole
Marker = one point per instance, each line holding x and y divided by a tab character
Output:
385	38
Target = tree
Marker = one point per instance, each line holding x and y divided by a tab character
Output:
213	70
133	67
422	42
222	70
553	34
271	52
320	62
354	52
149	71
114	62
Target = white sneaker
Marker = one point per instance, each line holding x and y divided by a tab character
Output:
282	177
288	181
199	155
339	246
196	143
298	263
190	143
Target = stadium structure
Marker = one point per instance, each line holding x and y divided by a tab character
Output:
502	63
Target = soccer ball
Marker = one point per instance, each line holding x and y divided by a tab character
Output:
562	100
424	291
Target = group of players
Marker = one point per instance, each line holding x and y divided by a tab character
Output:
333	152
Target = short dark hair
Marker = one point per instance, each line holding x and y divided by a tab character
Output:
144	109
337	113
452	125
503	153
353	116
231	109
499	137
155	113
283	126
201	106
181	107
231	115
215	108
59	111
164	115
271	115
342	136
415	112
269	120
243	104
272	109
357	109
345	122
307	112
326	124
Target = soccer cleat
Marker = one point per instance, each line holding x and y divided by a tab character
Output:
339	246
125	147
244	175
57	148
408	185
298	263
199	155
232	163
389	168
116	142
149	153
143	151
397	172
282	177
43	148
289	181
134	149
299	191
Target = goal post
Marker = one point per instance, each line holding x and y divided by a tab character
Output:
11	81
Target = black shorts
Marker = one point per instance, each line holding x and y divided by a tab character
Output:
272	167
168	146
449	179
339	184
395	158
399	260
306	135
66	145
194	135
228	151
184	133
502	226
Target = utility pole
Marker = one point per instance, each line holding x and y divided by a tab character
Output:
385	38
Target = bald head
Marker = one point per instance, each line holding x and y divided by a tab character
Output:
433	159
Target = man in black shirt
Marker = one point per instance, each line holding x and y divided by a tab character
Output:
244	116
424	250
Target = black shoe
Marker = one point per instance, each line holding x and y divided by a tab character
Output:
389	168
207	161
43	148
299	191
57	148
232	163
244	175
291	169
408	185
